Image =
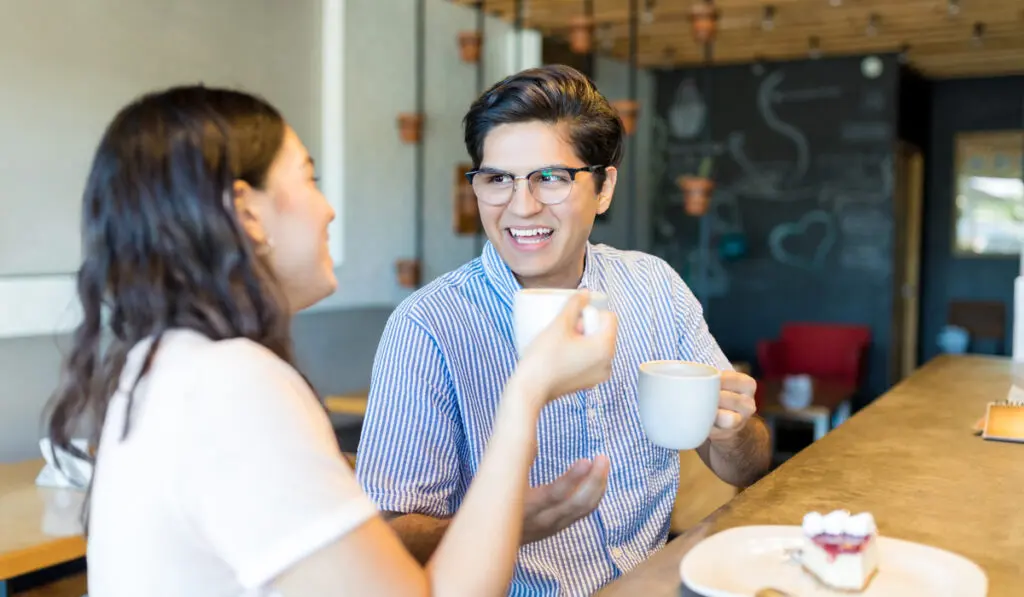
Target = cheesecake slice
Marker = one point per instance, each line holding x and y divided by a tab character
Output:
840	549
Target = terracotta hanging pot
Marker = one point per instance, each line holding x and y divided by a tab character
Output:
465	212
703	21
410	127
628	111
408	273
469	46
696	194
581	34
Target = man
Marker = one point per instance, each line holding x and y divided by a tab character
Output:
545	146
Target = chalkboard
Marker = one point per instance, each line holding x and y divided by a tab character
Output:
803	167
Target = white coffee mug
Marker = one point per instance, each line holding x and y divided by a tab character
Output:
678	402
535	308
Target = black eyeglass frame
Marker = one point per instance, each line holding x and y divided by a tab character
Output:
526	177
572	172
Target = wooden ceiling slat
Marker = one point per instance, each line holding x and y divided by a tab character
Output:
940	43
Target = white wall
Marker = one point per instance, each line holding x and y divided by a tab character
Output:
68	65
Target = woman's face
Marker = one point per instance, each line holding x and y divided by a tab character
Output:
288	221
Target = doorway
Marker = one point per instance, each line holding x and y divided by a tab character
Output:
908	199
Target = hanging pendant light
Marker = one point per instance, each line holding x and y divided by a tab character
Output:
704	21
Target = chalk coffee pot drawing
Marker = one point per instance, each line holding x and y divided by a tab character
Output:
687	115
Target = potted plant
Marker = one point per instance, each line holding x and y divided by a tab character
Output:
410	127
469	46
703	21
581	34
628	111
697	188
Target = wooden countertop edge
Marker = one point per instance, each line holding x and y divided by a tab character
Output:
347	404
41	556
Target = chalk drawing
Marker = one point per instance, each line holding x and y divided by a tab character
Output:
763	180
725	213
665	228
864	132
873	100
789	231
766	97
717	278
696	150
688	113
862	220
867	256
759	180
843	200
806	95
888	176
855	178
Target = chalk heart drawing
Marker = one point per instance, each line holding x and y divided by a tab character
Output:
789	231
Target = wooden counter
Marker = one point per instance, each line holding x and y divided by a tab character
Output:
39	527
911	459
349	404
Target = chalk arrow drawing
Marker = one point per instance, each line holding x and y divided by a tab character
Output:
791	230
766	97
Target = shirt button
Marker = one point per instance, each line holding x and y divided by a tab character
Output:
616	552
592	413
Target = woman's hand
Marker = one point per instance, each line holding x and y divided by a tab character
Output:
562	359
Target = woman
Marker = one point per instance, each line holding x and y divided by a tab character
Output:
217	469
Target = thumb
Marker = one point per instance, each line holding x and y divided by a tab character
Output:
573	310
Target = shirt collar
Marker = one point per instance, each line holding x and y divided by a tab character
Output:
504	281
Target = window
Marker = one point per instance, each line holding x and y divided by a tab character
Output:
989	194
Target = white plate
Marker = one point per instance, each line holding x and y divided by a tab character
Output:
739	561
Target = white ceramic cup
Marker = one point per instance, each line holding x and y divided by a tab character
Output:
535	308
678	402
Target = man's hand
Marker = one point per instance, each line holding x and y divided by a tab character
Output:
550	508
735	406
738	449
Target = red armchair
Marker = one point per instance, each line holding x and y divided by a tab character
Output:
826	351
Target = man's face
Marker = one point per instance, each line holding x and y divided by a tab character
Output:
543	244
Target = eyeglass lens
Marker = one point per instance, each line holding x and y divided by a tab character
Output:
549	186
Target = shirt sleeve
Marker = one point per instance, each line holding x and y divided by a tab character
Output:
696	344
408	458
260	475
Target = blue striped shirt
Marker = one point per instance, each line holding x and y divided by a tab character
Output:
439	372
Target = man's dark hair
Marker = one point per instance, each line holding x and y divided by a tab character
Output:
553	93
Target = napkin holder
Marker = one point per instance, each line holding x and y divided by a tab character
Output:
64	470
1004	421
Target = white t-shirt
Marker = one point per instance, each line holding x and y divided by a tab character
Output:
230	475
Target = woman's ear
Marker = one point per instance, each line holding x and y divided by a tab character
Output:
607	190
247	208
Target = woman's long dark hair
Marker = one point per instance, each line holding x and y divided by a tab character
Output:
163	247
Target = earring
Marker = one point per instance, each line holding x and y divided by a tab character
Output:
263	249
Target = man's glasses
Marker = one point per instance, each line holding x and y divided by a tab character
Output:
550	186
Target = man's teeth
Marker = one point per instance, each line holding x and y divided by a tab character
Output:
530	235
520	232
